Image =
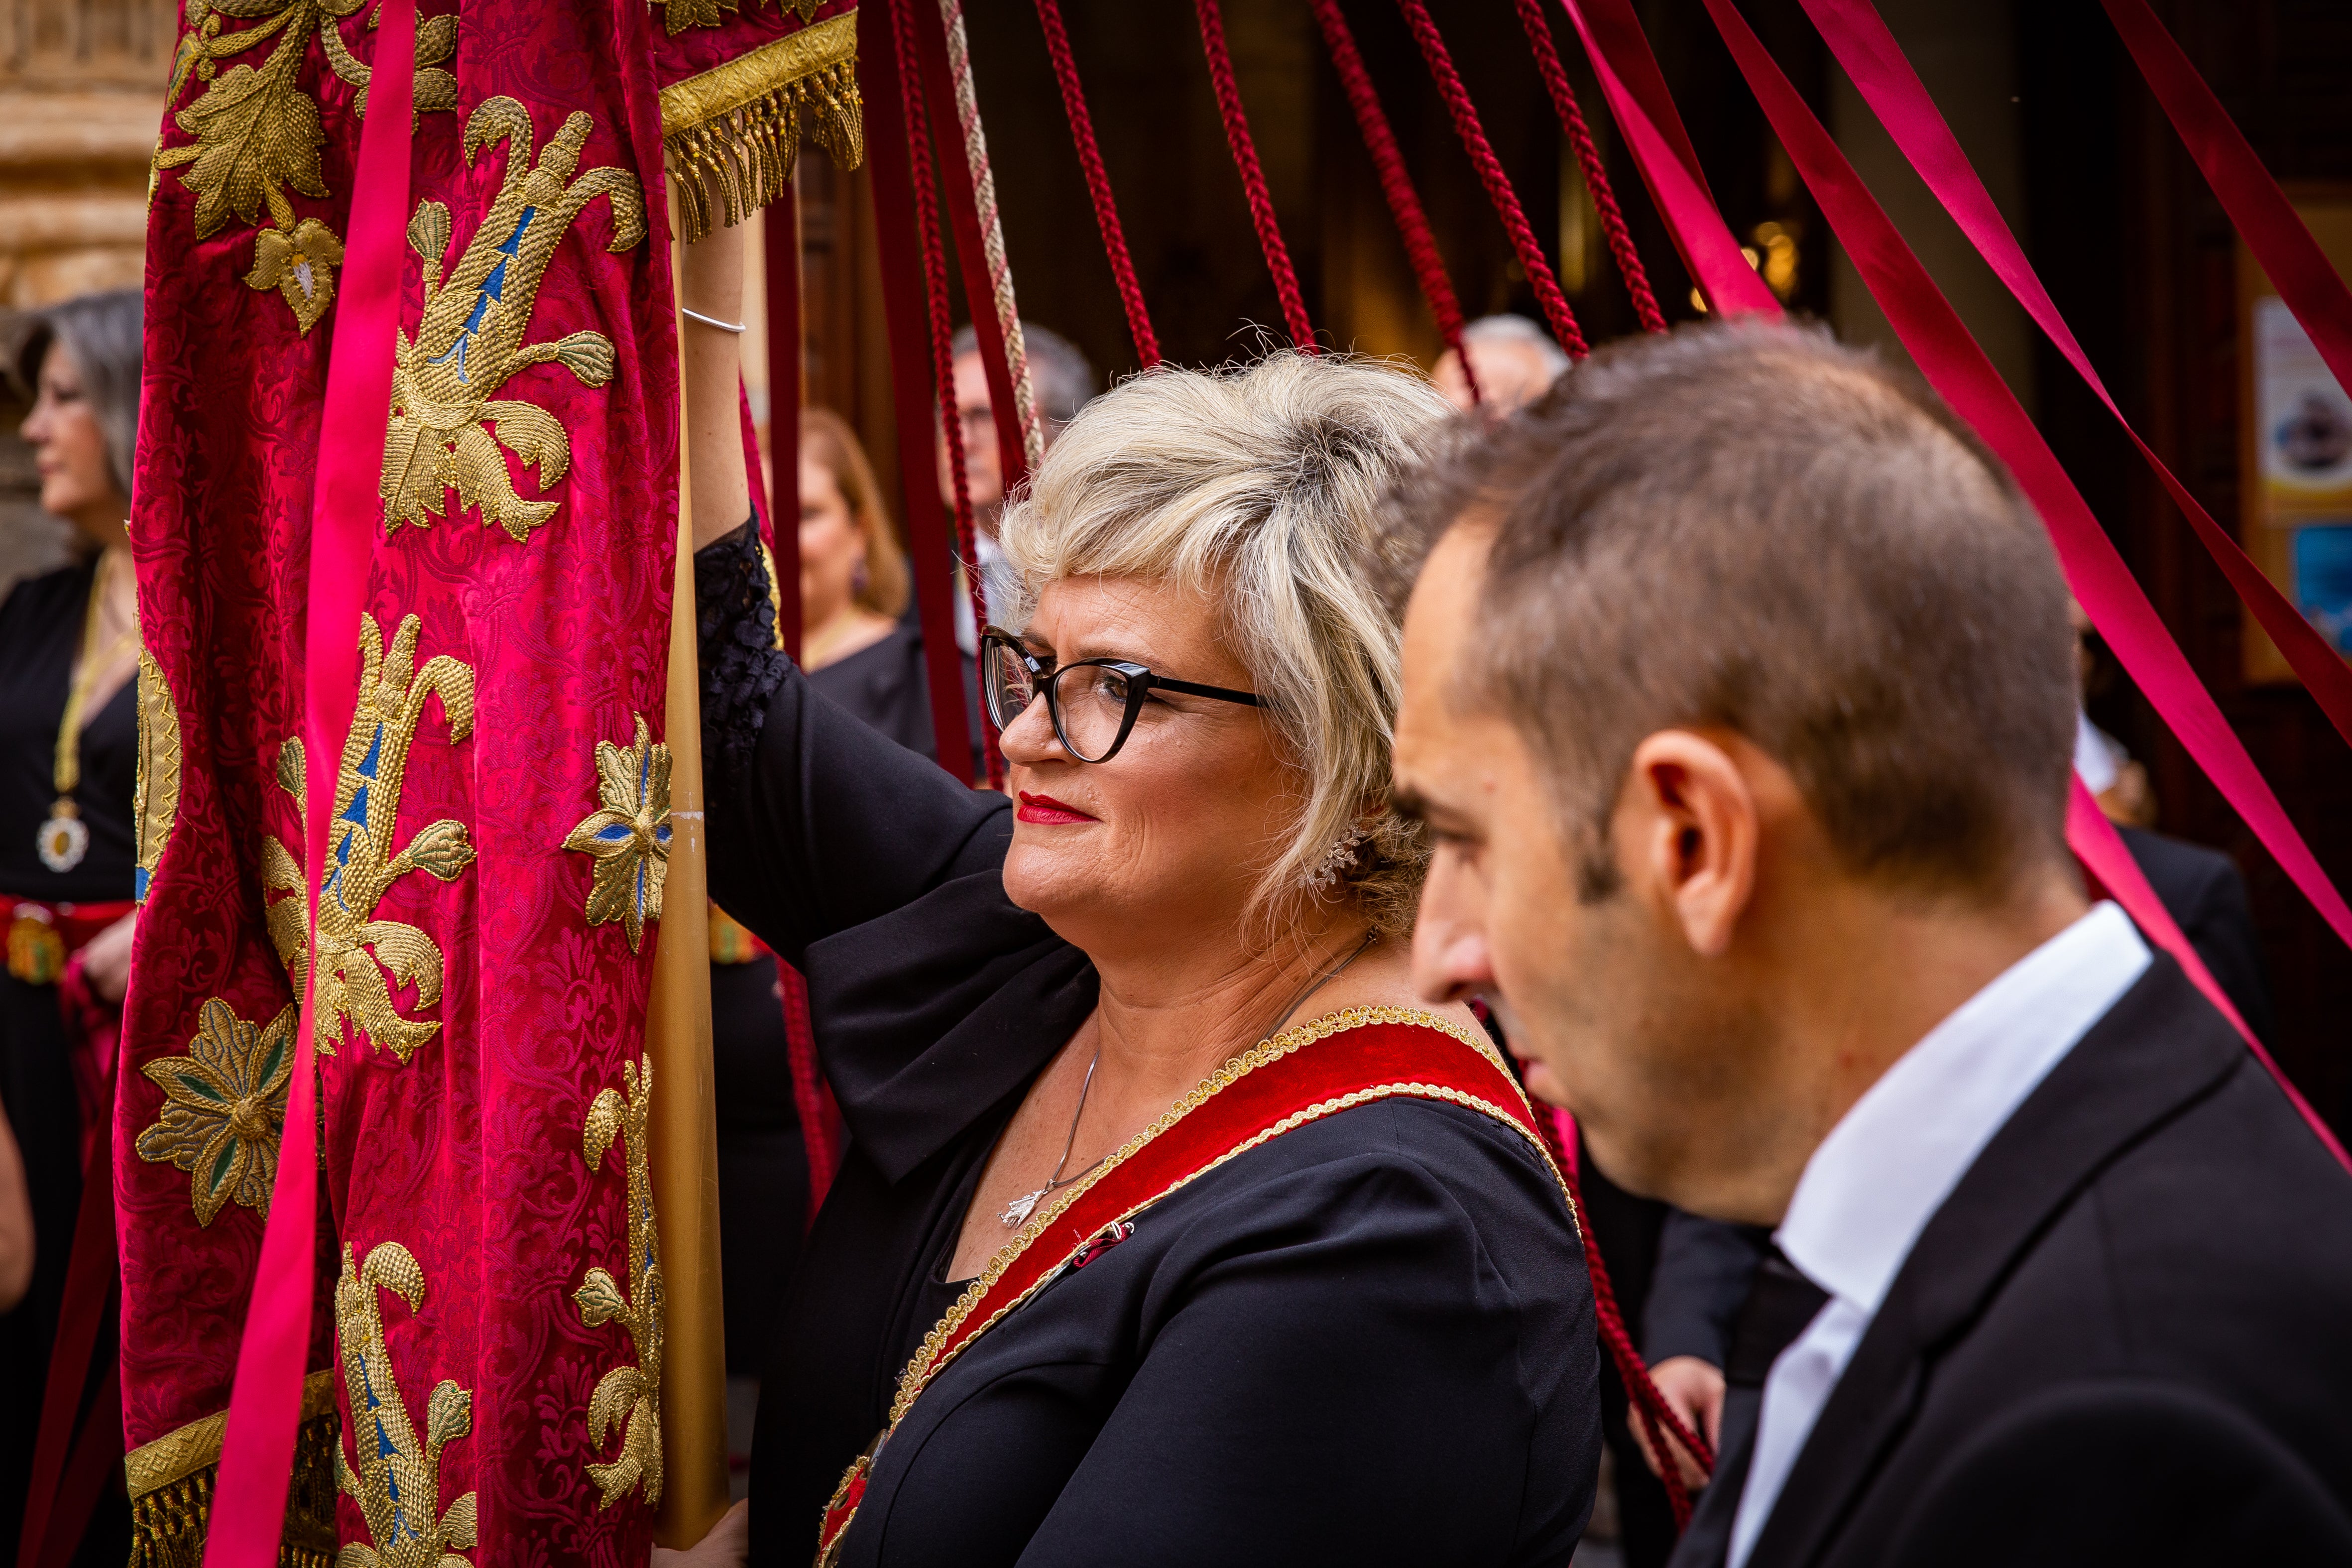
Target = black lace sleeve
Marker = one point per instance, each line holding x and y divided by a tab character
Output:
817	821
741	664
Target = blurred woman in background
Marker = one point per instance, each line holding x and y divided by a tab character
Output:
855	644
68	761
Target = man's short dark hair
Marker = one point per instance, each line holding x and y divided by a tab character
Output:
1749	526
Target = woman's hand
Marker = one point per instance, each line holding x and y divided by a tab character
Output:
710	282
106	960
1693	1391
727	1545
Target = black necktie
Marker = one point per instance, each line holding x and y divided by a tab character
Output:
1780	1302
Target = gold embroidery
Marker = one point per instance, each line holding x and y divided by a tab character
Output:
628	833
627	1397
737	125
447	432
224	1109
170	1482
397	1483
361	865
155	796
679	15
258	132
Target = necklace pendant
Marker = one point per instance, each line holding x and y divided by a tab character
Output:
1016	1214
64	838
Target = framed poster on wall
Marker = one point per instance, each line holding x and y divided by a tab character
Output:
2295	436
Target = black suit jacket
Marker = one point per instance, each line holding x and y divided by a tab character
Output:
2127	1336
2206	897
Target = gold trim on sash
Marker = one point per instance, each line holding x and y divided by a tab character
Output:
732	133
941	1346
920	1371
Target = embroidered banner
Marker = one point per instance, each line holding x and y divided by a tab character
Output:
486	1351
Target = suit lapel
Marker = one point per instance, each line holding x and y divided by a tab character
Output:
2160	1049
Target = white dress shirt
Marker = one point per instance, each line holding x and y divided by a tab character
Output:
1888	1164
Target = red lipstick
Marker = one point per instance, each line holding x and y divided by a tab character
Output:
1051	813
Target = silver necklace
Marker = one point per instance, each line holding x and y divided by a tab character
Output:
1016	1214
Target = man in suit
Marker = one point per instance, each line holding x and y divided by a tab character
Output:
1737	705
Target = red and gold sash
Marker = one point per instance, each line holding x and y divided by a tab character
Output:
1276	1086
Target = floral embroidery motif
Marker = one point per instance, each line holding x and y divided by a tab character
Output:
447	432
257	134
627	1397
362	864
679	15
224	1109
156	794
397	1482
628	833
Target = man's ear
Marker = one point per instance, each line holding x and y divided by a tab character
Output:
1688	825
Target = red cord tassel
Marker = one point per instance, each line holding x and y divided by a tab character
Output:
1261	205
1588	158
1490	174
1082	133
1404	203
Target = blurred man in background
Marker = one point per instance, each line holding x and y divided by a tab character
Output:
1063	382
1514	360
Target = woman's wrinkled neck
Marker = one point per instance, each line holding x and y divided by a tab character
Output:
1168	1018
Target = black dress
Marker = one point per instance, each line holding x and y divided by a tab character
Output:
40	631
885	684
1368	1340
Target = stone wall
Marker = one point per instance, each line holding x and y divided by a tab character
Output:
81	94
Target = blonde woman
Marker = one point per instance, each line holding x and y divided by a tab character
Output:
1171	1229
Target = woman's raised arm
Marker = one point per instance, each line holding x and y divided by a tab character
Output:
817	823
710	283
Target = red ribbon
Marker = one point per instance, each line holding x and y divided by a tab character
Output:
1636	91
1860	41
2298	267
265	1406
1952	360
888	158
1958	367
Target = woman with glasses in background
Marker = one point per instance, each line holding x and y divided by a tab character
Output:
1074	1296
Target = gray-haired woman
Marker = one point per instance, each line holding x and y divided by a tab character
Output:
68	649
1171	1228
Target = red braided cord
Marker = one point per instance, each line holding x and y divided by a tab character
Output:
1588	158
1082	132
935	290
1647	1406
1404	206
1261	205
1490	174
812	1100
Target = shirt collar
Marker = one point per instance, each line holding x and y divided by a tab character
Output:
1896	1155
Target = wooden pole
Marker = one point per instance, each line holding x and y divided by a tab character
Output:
678	1043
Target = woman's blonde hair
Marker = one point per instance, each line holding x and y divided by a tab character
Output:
827	441
1260	483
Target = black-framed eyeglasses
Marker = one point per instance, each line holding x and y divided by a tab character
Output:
1094	714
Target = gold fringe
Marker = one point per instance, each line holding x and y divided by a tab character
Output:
171	1483
733	134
